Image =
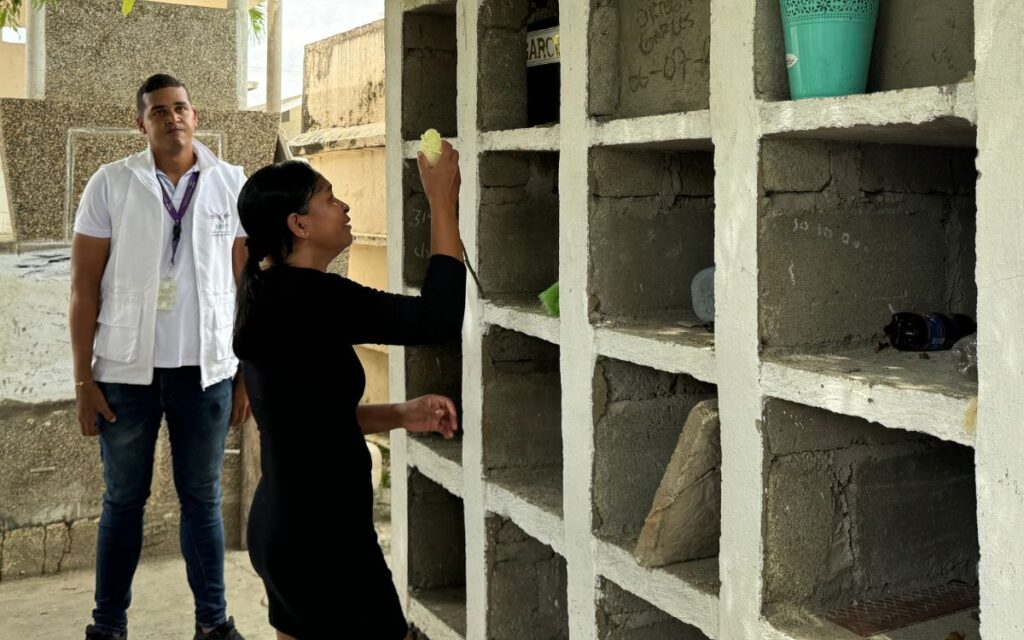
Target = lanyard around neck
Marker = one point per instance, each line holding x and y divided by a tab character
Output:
178	213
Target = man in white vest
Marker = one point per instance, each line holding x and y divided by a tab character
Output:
154	258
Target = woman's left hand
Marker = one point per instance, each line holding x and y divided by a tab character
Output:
430	413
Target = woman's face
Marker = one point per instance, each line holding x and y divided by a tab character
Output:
326	220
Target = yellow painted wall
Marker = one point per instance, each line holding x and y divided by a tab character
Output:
358	179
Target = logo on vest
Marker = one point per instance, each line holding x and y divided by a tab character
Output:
221	224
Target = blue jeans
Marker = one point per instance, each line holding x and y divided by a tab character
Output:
197	423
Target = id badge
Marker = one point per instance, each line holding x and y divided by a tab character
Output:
165	295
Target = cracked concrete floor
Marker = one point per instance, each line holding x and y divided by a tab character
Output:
58	607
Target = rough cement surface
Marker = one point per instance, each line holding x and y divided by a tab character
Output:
652	230
344	79
623	616
429	92
501	78
685	518
915	45
865	514
518	233
415	226
107	66
36	173
527	586
437	536
637	413
35	347
890	228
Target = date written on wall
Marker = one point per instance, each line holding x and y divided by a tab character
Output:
658	26
828	234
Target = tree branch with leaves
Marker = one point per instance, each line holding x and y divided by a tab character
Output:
10	10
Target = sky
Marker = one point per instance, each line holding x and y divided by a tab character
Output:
306	21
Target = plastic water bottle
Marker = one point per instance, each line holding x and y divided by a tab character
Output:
702	293
927	332
965	357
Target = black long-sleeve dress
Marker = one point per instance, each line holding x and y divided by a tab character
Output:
311	534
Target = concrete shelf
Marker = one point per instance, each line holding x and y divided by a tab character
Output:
523	314
649	59
439	613
411	147
810	627
670	131
687	591
674	348
517	247
438	459
856	512
542	138
526	585
531	507
436	560
910	49
652	230
430	60
624	616
939	116
898	390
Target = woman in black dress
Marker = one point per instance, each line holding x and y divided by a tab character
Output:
312	516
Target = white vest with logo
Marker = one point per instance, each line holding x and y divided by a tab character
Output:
126	329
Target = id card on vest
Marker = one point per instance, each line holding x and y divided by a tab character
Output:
165	294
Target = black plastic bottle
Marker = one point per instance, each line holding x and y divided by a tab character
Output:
543	64
927	332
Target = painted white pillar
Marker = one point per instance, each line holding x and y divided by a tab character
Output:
35	60
274	40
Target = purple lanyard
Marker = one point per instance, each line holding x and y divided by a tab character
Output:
179	213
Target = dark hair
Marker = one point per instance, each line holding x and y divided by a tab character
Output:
155	83
266	200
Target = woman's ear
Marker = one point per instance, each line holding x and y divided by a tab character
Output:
297	226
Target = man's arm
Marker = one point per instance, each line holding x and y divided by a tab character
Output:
88	260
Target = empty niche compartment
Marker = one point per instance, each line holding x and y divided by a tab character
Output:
849	233
623	616
519	77
652	229
526	585
649	58
522	417
437	550
861	519
657	469
916	44
437	369
430	60
518	226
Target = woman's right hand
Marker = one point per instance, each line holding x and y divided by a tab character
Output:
442	181
91	405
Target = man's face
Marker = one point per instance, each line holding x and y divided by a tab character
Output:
169	119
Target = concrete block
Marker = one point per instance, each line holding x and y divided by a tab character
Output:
693	174
919	45
82	536
635	434
429	93
807	558
57	545
604	60
429	31
504	170
794	428
434	369
907	169
685	518
526	585
665	54
616	173
503	14
437	537
23	553
771	81
501	81
794	166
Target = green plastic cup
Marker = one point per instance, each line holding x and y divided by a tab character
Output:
828	45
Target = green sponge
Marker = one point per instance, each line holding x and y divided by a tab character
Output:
549	300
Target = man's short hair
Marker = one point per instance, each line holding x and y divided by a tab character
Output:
154	83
